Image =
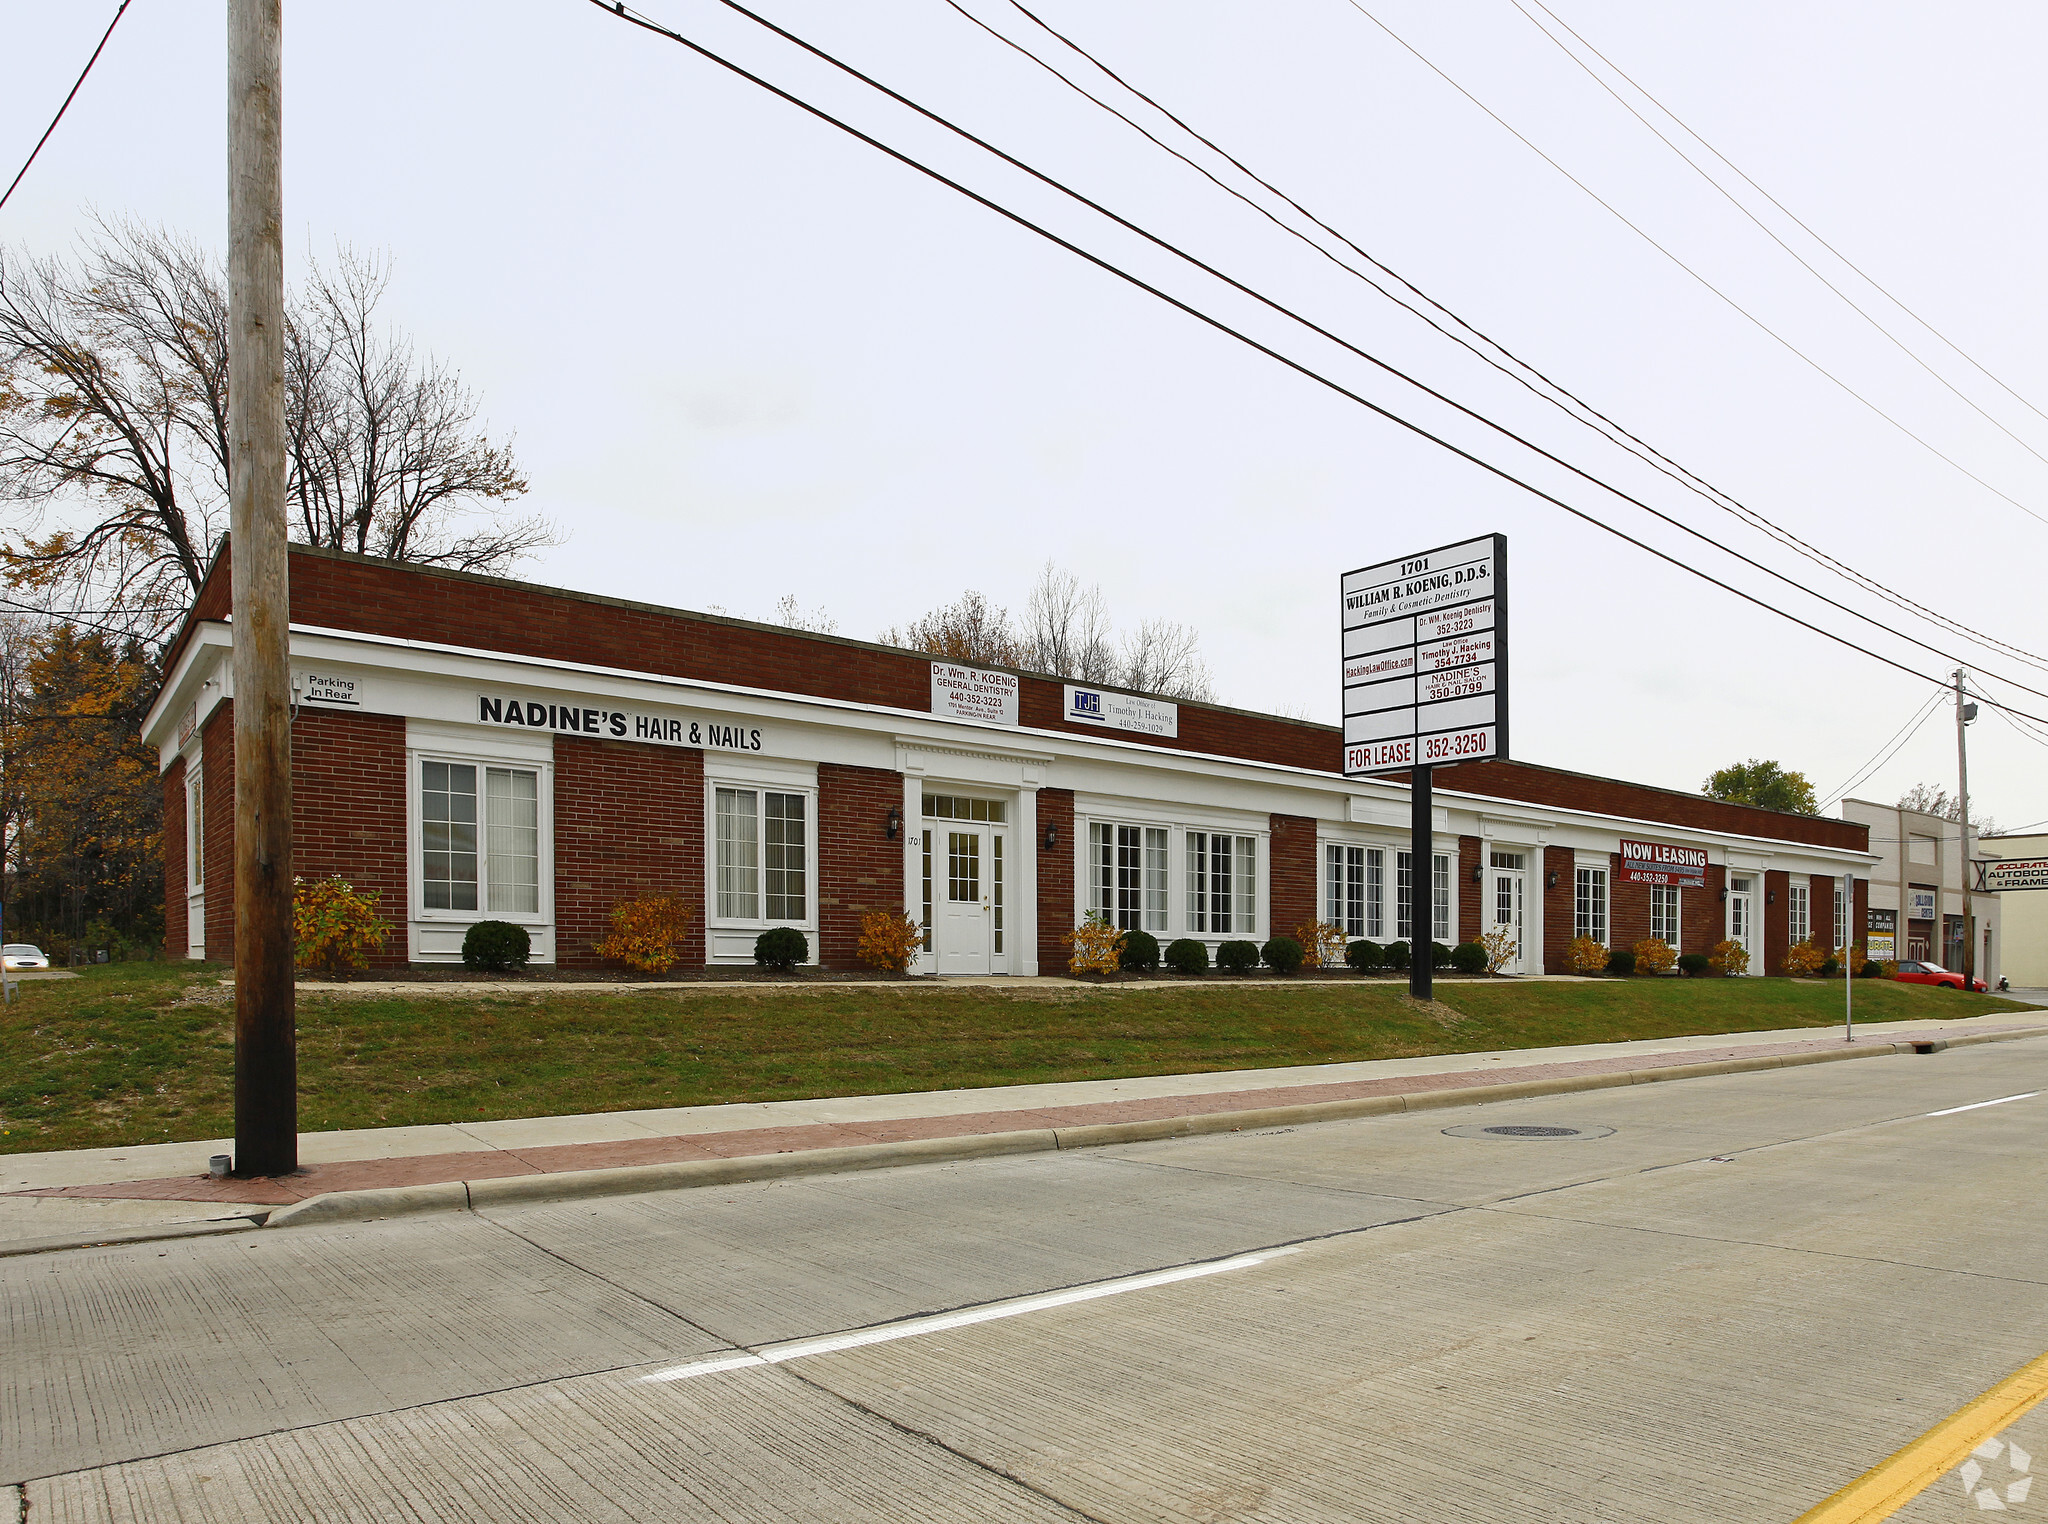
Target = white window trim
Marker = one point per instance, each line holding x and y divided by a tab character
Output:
1678	912
1178	824
1086	899
1606	872
772	781
195	831
1801	897
415	840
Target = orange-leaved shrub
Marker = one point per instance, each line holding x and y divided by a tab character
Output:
649	933
1728	958
1098	946
1654	955
1586	955
336	925
889	940
1322	945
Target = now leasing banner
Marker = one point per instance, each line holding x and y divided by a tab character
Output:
1654	862
1426	658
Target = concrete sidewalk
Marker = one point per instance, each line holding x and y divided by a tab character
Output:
91	1190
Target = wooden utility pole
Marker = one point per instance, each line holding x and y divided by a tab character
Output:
266	1037
1964	714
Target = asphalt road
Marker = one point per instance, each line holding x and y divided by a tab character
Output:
1751	1290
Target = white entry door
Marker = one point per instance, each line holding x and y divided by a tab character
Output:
967	910
1508	877
1742	917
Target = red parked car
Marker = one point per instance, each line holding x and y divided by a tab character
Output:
1913	972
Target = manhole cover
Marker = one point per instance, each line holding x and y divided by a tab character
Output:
1511	1131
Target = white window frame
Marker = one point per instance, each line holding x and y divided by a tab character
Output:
415	863
760	784
195	829
1598	925
1798	914
1347	886
1841	938
1245	924
1105	887
1443	888
1677	918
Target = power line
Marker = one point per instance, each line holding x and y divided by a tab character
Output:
1772	234
1890	749
1736	306
1872	280
119	12
1605	426
634	18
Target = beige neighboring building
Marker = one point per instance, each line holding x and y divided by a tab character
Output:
2022	912
1916	890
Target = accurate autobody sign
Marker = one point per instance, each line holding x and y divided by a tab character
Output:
968	693
1654	862
1122	711
702	732
1426	658
2013	873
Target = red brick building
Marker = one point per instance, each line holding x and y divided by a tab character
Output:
474	748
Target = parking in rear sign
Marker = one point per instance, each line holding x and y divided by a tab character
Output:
1426	658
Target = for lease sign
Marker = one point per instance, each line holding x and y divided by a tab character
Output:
1657	862
1425	658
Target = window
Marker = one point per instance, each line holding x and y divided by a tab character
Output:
1440	910
1799	912
1127	875
1223	883
1344	888
1664	913
499	872
1841	912
762	862
195	831
951	807
1589	904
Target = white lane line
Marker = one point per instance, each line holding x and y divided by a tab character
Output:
1974	1105
987	1312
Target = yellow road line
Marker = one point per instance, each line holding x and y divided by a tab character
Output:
1891	1484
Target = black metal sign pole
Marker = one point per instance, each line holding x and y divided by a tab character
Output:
1421	886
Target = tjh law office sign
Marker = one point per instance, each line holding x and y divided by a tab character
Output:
1668	867
1426	658
1122	711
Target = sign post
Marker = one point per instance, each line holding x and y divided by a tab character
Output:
1425	681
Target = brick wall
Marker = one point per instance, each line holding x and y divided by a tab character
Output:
217	782
348	810
629	820
1628	907
1558	862
1471	890
1859	914
1055	878
1702	913
1823	892
859	869
1777	919
1292	875
175	943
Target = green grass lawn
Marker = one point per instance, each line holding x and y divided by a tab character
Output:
137	1053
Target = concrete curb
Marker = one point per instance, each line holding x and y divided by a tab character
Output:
207	1229
572	1185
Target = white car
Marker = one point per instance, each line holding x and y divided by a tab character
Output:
20	955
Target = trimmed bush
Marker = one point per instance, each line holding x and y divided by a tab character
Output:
1141	951
1238	957
1692	965
781	948
1282	955
1187	956
1831	968
1397	956
1439	955
1469	958
496	946
1872	969
1363	955
1621	961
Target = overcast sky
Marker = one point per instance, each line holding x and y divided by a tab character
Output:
746	356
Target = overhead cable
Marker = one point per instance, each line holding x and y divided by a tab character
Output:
1889	749
120	11
1734	305
1557	395
637	19
1804	227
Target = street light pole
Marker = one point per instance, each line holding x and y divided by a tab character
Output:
1964	714
266	1038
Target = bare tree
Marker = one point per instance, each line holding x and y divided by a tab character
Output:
114	442
1067	634
971	630
1932	799
793	615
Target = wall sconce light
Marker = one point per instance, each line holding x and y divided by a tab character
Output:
1771	898
1550	880
1478	874
1052	837
1724	896
893	826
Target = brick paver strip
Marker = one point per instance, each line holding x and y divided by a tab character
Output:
432	1169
